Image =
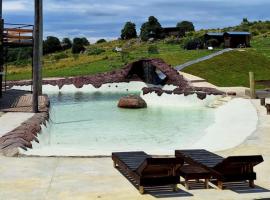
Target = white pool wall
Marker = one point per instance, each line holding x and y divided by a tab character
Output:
152	99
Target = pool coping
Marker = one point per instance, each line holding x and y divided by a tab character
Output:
23	135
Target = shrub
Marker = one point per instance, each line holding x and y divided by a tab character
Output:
129	31
193	44
78	46
85	41
153	49
124	56
60	56
66	43
51	45
95	51
172	40
101	41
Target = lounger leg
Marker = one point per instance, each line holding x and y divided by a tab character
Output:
206	183
186	184
114	164
175	188
141	189
251	184
220	185
197	180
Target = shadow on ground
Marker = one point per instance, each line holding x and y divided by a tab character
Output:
158	192
243	188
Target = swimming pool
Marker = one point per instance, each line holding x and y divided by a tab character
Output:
87	122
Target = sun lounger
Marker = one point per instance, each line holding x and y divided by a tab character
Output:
231	169
147	171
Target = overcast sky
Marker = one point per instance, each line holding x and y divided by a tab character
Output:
105	18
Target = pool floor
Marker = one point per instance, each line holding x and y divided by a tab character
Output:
90	123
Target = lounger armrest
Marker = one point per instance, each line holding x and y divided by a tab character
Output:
173	163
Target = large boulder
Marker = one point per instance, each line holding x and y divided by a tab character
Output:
132	101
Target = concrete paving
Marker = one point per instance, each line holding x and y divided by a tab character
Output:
94	178
10	121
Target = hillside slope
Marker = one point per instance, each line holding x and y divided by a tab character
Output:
232	68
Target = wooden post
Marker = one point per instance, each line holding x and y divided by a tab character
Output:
206	183
1	55
141	189
252	85
1	48
263	102
37	54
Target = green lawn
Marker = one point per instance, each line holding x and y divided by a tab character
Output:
232	68
261	44
107	61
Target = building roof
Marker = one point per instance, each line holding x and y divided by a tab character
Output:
227	33
237	33
214	34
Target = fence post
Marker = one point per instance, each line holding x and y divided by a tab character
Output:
252	85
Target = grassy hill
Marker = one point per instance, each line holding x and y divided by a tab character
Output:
232	68
64	64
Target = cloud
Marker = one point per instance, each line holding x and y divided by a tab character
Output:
15	6
105	18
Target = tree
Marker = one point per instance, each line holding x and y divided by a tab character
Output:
85	41
66	43
151	29
101	41
78	45
51	44
129	31
186	26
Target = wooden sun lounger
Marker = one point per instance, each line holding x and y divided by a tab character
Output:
231	169
147	171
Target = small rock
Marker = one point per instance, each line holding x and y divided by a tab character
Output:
132	101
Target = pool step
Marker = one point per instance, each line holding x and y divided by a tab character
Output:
219	102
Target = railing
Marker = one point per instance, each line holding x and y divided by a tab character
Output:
18	34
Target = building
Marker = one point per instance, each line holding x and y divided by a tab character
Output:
173	31
231	39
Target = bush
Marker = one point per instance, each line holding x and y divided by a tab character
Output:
60	56
101	41
255	33
172	40
51	45
66	43
213	43
78	46
95	51
193	44
124	56
129	31
85	42
153	49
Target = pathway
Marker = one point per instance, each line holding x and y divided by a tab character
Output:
181	67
